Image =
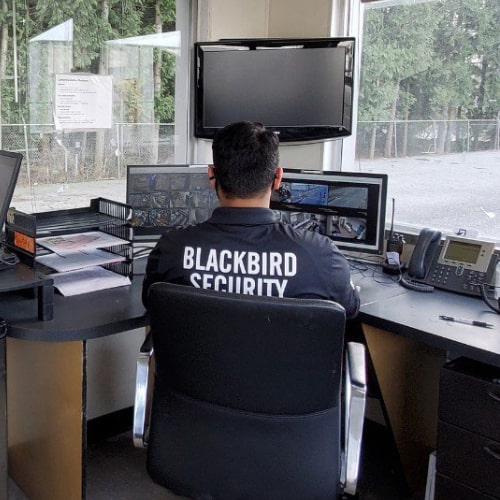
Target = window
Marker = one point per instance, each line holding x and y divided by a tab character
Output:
86	91
429	110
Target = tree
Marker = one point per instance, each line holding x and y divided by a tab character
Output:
433	61
4	47
396	47
95	22
164	65
11	62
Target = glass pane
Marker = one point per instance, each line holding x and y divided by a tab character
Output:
95	91
429	112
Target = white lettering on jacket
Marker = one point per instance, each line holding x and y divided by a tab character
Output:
236	271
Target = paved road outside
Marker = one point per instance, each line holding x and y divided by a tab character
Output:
444	192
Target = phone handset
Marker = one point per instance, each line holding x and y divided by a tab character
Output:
425	249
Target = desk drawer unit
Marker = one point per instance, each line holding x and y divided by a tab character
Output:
453	490
468	449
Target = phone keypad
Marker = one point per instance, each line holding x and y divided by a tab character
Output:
440	274
457	279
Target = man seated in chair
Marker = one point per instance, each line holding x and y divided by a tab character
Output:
243	247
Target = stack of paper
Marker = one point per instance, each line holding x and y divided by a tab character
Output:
86	280
77	259
79	241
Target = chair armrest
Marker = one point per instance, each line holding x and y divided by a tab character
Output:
141	417
355	401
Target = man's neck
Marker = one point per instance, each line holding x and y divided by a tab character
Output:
261	201
244	203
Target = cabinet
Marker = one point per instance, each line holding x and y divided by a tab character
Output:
468	445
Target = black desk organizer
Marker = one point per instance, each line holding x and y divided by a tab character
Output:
22	279
111	217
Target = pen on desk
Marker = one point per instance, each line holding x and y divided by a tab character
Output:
472	322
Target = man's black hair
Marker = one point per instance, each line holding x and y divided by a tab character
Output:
245	157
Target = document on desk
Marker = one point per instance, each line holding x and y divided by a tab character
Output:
68	243
78	260
89	279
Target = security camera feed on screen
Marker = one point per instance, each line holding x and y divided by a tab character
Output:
348	208
167	196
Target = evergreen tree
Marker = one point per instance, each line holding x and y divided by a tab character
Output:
396	46
431	61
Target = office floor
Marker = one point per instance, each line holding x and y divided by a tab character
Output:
116	471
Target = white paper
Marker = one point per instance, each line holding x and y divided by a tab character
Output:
69	243
87	280
83	101
78	260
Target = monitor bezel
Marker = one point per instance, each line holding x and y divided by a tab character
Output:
153	233
288	133
6	202
380	181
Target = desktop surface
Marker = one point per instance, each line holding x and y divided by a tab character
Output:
389	306
384	304
80	317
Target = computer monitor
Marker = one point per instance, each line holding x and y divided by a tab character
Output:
10	164
300	88
167	196
349	208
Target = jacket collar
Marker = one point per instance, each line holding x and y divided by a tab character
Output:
234	215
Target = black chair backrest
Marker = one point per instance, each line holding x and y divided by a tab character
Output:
260	354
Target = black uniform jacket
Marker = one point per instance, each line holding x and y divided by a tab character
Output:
249	251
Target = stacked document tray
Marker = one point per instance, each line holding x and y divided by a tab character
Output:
94	240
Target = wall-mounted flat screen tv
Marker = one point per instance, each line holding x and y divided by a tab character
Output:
300	88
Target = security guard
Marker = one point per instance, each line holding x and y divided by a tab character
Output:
243	247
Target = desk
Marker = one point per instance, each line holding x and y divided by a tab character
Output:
47	380
415	315
408	344
3	412
47	367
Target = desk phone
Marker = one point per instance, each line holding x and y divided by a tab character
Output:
457	264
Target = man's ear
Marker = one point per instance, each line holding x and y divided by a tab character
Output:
211	176
277	178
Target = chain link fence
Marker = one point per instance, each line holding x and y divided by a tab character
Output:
398	139
52	156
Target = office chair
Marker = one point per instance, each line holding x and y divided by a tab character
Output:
247	396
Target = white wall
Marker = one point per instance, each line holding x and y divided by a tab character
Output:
111	370
299	18
232	19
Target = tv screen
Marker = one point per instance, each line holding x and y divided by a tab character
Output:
301	89
349	208
168	196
